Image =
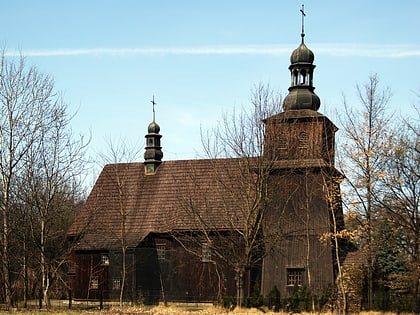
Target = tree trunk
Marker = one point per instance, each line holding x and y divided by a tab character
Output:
5	261
123	275
25	273
308	240
341	286
369	241
44	269
240	294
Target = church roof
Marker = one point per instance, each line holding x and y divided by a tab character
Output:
161	202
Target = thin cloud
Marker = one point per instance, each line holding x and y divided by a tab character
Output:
369	51
214	50
343	50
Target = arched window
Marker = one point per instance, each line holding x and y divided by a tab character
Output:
283	141
303	77
295	77
303	140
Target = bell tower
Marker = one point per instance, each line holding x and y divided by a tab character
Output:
300	132
303	187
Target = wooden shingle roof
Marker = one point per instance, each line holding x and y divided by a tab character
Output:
180	192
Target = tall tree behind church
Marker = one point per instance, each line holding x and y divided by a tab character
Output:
401	184
367	133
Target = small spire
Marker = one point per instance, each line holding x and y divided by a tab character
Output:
302	10
153	151
153	107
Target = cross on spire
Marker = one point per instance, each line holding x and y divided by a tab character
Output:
153	106
302	10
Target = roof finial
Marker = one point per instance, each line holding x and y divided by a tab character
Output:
153	106
303	21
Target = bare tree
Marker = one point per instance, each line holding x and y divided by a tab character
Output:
401	199
240	136
116	155
40	161
367	134
23	94
339	235
54	166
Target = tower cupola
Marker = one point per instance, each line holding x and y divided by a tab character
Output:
153	154
301	91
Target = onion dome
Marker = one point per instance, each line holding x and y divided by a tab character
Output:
153	127
302	54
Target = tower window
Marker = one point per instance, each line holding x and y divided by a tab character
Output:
295	276
303	77
283	141
295	77
303	140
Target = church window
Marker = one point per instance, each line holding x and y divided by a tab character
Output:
150	142
295	276
94	283
205	252
116	283
160	250
105	260
303	140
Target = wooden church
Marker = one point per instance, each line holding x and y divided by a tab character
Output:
172	230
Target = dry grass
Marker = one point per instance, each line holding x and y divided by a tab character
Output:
166	310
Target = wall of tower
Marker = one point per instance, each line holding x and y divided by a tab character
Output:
296	137
302	196
298	215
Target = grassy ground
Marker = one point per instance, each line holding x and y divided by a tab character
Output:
158	310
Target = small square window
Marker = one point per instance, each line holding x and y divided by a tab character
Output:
295	276
105	260
160	250
116	283
94	283
205	252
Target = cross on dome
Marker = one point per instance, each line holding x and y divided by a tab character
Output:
153	106
302	10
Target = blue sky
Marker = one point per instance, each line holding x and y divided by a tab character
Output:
202	58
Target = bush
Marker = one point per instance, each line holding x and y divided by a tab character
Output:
300	300
325	297
256	299
273	301
228	302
